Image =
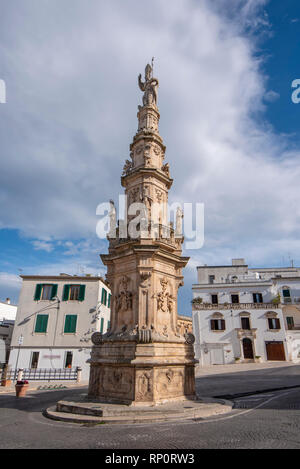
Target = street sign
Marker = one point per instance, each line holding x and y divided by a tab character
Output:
20	340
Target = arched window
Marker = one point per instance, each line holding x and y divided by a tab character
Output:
273	320
217	323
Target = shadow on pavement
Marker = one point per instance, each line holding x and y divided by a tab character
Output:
231	384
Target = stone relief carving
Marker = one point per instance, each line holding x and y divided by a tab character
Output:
147	156
159	195
165	300
189	338
97	338
144	386
157	150
144	279
170	382
116	382
124	298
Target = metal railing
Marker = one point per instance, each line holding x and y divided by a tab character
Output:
203	306
43	374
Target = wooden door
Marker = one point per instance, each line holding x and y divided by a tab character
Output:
247	349
275	351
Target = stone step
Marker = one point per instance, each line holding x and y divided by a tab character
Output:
93	413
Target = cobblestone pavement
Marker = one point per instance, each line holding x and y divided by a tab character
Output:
266	420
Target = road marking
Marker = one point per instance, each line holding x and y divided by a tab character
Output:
181	422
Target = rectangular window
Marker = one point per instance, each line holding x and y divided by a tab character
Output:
217	324
290	323
34	359
102	325
235	299
104	296
74	292
45	292
41	323
70	324
214	299
245	324
274	323
211	278
69	359
108	325
257	298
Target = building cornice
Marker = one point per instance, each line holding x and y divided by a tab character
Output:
259	283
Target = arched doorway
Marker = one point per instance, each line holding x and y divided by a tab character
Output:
248	348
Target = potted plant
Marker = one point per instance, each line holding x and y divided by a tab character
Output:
21	388
276	300
197	301
257	359
237	359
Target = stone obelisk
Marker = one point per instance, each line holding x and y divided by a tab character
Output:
143	359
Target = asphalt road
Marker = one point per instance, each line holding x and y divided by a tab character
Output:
270	420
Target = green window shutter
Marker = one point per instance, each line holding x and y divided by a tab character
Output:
53	291
38	291
41	323
102	325
70	323
103	296
108	325
81	293
109	300
66	292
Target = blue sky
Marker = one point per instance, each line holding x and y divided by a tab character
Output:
231	130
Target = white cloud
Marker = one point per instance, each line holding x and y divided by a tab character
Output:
40	245
71	116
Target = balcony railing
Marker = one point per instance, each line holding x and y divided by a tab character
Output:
205	306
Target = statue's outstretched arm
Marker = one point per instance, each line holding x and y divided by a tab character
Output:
141	84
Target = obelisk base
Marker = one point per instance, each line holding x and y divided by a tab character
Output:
142	374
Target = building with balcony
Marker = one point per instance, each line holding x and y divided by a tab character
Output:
55	320
243	314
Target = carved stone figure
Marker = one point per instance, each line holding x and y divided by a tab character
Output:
179	218
149	87
166	169
127	167
112	220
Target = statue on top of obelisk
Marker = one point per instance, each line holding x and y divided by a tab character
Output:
149	86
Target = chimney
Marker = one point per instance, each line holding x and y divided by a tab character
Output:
8	301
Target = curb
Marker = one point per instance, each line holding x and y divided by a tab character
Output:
219	407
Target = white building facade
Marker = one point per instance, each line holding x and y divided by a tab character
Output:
7	320
55	320
242	314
